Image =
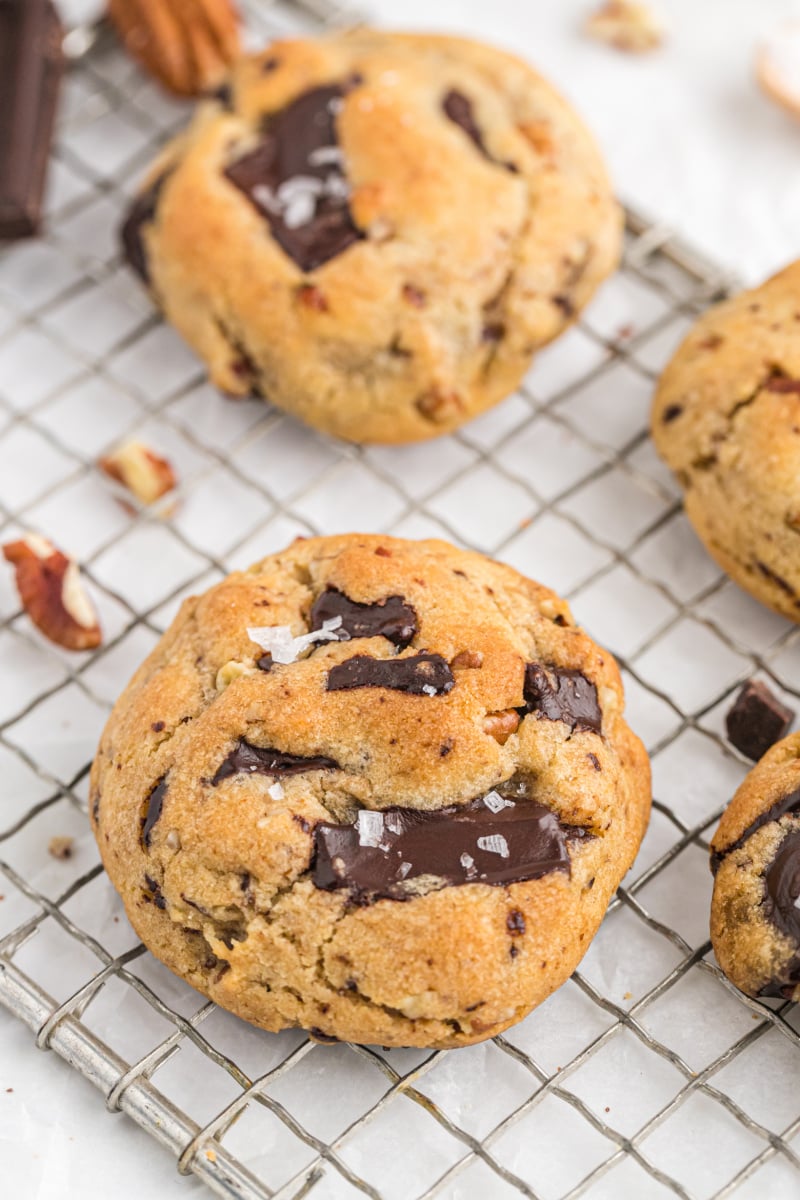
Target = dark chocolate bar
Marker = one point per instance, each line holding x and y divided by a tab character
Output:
31	65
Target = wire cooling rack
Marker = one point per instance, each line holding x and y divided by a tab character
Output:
646	1075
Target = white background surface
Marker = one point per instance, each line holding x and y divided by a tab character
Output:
689	140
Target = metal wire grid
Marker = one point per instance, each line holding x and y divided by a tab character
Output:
680	284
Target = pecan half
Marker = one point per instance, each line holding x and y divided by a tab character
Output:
144	473
186	44
627	26
52	594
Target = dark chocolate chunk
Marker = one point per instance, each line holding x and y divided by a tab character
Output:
155	802
153	894
458	108
783	888
757	720
419	674
31	65
391	618
557	694
383	853
265	662
515	923
671	413
141	213
246	759
295	178
787	804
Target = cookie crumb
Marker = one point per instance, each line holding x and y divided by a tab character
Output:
757	720
627	995
61	847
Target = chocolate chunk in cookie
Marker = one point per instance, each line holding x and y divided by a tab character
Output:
295	177
391	618
418	675
387	854
246	759
757	720
562	695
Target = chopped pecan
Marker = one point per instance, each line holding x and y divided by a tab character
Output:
501	725
144	473
52	593
626	26
186	44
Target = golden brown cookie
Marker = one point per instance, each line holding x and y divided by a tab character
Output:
401	822
726	419
376	231
755	910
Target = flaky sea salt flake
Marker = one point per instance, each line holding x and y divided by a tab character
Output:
279	641
494	843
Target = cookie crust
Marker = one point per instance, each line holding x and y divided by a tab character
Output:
755	854
726	419
219	864
481	222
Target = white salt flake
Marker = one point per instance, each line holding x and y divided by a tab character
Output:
429	689
495	802
404	869
370	828
326	156
467	862
495	843
276	790
299	211
279	642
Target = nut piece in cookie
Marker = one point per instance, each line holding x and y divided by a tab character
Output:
141	470
186	44
307	233
52	593
377	789
755	857
757	720
725	418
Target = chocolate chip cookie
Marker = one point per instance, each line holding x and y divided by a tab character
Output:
755	911
379	789
376	231
727	421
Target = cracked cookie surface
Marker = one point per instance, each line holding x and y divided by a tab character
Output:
755	857
376	231
416	858
726	419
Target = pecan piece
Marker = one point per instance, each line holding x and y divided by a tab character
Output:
777	62
627	26
144	473
52	594
501	725
186	44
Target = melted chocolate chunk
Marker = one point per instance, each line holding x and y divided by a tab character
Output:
383	853
155	802
419	675
391	618
295	178
458	108
561	695
153	894
246	759
788	804
757	720
783	889
141	213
